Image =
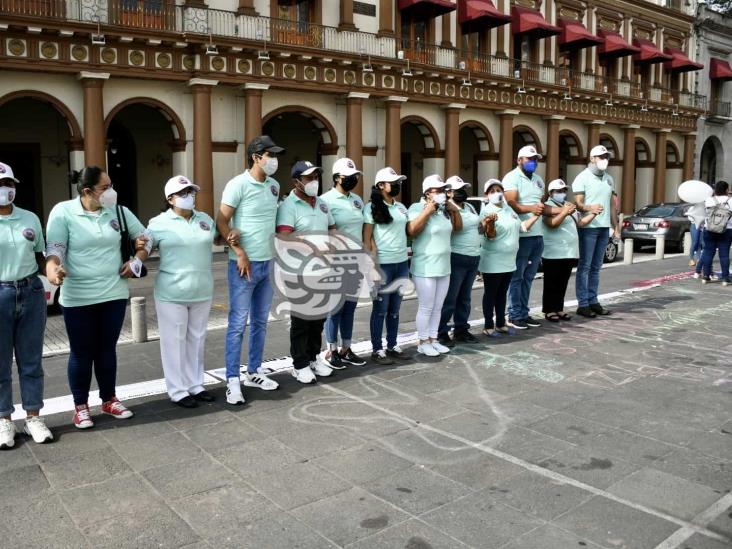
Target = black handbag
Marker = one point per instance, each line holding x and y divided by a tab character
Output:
127	246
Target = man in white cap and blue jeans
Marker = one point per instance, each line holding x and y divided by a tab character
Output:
594	191
524	192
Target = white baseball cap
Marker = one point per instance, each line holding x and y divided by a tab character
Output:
6	172
433	181
345	166
488	184
599	150
388	175
177	183
556	185
528	151
456	182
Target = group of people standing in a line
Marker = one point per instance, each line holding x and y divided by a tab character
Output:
706	240
93	246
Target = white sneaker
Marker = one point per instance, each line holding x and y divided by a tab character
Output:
233	391
260	381
320	369
427	349
304	375
36	428
440	348
7	434
696	275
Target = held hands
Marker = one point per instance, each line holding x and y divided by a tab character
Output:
596	209
568	208
537	209
55	274
141	243
233	238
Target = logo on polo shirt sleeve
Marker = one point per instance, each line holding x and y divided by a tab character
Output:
273	190
358	204
205	226
29	234
323	207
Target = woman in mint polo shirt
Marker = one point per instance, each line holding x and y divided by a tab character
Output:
501	227
83	257
561	249
385	236
183	290
431	222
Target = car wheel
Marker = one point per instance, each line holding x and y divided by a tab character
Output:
611	252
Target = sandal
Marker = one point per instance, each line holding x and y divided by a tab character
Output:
564	316
552	317
491	332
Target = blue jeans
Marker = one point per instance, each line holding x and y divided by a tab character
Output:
696	242
249	299
386	307
341	321
463	269
93	333
712	243
592	245
22	324
527	265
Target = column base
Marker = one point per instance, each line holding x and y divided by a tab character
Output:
347	27
251	11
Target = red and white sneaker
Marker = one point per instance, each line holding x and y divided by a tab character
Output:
82	418
116	409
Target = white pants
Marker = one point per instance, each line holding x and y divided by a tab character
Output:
431	293
182	336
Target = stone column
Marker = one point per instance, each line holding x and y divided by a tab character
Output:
354	132
346	21
253	111
552	146
452	139
501	33
246	7
505	146
628	186
95	138
393	141
202	154
386	18
446	41
659	176
689	146
593	134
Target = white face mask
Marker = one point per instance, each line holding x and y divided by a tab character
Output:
185	202
439	198
602	164
311	188
7	195
108	199
559	198
495	198
270	165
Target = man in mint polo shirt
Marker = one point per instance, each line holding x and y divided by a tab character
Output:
524	192
303	212
594	191
246	220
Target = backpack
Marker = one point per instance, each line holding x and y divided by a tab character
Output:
717	217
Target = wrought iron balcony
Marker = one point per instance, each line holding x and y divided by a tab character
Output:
719	111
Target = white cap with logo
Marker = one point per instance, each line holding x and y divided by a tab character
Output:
433	181
345	166
599	150
488	184
6	172
529	151
177	183
388	175
556	185
456	182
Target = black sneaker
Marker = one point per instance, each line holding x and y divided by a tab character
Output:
397	354
204	396
186	402
445	340
352	358
532	322
586	312
380	358
335	360
465	337
518	324
599	309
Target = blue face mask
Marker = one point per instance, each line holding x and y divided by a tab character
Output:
529	166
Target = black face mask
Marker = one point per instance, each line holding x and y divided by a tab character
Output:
395	189
349	183
459	195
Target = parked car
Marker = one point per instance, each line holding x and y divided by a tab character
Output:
667	219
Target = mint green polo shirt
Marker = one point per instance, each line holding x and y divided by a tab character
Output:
255	212
21	237
390	238
561	242
431	248
597	190
89	247
467	241
186	251
302	216
530	191
347	211
498	255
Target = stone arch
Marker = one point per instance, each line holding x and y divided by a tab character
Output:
482	135
176	125
328	134
524	135
673	158
572	142
63	110
643	152
607	141
711	159
427	130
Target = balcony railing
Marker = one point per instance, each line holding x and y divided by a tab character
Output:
720	109
163	15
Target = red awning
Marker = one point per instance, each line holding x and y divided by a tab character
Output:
576	36
615	45
477	15
426	9
680	61
719	69
649	53
528	21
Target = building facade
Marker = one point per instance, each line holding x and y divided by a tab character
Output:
152	88
714	43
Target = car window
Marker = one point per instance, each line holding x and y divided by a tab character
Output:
656	211
683	210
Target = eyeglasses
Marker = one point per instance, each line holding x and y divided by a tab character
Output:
186	192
